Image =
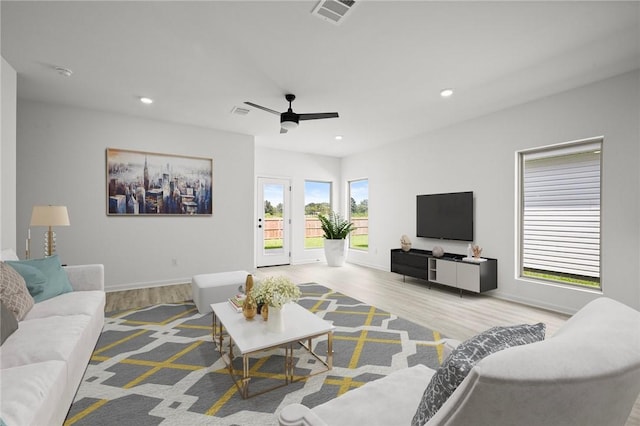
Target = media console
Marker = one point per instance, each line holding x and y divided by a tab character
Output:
450	270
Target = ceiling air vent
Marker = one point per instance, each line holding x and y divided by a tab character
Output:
334	11
240	111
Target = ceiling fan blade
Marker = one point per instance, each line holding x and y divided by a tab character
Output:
262	108
317	115
283	130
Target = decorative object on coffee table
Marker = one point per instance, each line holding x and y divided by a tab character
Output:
437	251
275	322
274	293
249	307
477	250
405	243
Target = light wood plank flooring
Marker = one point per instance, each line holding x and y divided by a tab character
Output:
437	308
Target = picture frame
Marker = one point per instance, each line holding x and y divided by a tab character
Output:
143	183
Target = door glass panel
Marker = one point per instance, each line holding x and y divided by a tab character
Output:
273	218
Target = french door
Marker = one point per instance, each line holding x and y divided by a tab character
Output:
273	223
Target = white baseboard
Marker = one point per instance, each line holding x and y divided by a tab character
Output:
149	284
533	303
368	265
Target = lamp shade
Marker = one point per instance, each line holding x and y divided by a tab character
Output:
49	216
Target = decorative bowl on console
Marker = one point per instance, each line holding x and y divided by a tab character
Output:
437	251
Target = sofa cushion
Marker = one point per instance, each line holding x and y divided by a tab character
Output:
46	339
29	393
13	291
89	303
8	322
51	270
400	390
460	362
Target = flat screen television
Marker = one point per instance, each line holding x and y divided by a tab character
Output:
445	216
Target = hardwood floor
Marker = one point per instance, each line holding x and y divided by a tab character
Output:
437	307
130	299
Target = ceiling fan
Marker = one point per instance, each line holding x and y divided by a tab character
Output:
289	119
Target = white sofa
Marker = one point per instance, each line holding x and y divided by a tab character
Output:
42	363
587	373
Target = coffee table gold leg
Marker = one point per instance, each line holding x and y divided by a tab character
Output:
213	328
245	376
288	363
330	350
216	332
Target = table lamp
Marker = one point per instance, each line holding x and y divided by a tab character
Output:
49	216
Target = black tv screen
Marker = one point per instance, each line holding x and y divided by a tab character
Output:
445	216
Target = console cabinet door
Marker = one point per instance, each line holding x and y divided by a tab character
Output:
446	272
469	277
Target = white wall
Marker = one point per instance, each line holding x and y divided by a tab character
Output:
8	156
61	159
479	155
297	168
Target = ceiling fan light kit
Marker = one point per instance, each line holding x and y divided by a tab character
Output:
289	125
289	120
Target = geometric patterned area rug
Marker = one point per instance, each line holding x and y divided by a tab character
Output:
159	365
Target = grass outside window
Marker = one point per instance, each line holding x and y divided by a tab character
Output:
578	280
360	242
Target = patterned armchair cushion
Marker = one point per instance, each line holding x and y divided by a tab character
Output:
457	366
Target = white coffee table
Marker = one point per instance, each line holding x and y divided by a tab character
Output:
250	337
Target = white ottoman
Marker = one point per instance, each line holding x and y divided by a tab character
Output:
214	288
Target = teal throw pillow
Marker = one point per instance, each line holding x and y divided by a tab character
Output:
33	277
34	271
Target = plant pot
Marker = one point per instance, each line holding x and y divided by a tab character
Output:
335	252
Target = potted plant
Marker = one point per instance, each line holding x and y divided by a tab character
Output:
336	229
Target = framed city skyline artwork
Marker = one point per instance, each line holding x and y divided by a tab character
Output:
147	183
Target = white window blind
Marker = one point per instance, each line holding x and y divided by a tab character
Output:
561	210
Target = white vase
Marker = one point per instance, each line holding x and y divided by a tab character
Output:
275	323
335	251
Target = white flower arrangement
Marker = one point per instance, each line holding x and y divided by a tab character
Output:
276	291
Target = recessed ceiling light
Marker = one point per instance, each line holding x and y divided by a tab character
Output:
445	93
339	137
145	100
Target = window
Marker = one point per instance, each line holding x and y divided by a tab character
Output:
560	213
359	214
317	200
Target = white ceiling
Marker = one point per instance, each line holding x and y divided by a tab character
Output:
382	69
